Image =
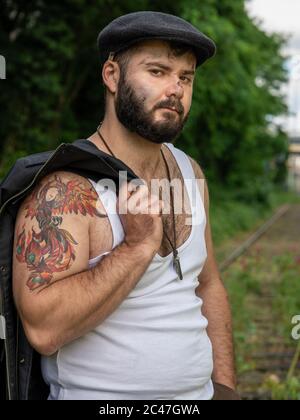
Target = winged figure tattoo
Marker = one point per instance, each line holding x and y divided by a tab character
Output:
52	249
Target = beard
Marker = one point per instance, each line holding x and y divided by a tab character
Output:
131	112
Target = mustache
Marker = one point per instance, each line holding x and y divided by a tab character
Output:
168	104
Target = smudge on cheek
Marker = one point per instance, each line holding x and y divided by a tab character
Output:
146	94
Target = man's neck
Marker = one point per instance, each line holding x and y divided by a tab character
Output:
141	155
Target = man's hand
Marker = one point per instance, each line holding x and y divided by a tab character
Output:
224	393
140	214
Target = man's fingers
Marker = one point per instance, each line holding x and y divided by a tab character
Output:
136	199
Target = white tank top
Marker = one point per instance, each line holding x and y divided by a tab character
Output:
154	345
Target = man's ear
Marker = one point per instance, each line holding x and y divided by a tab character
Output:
111	75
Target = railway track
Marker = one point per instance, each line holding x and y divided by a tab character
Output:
272	356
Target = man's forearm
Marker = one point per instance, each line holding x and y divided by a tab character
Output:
217	311
74	305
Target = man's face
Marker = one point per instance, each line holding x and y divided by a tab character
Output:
154	81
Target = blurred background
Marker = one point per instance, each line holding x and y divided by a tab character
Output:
244	130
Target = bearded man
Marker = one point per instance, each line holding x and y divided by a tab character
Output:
130	305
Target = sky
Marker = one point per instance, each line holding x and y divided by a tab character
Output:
283	16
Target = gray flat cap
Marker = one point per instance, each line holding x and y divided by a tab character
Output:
129	29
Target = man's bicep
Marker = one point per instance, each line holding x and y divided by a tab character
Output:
52	232
45	254
210	271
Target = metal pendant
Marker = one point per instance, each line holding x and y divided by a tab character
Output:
177	266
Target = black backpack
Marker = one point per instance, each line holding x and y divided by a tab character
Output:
20	375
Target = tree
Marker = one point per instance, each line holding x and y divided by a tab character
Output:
53	91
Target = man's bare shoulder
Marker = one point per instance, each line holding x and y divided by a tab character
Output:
202	182
64	192
62	196
52	229
197	168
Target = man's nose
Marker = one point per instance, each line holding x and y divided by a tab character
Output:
175	88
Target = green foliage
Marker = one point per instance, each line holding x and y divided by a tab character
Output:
229	216
241	281
287	297
251	277
235	95
286	391
53	90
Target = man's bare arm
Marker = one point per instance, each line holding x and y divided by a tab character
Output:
58	298
216	307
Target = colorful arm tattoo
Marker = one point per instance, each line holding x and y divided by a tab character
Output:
51	250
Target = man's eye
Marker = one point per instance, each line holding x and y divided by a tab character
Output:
156	72
186	79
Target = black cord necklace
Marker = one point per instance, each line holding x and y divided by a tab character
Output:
176	260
